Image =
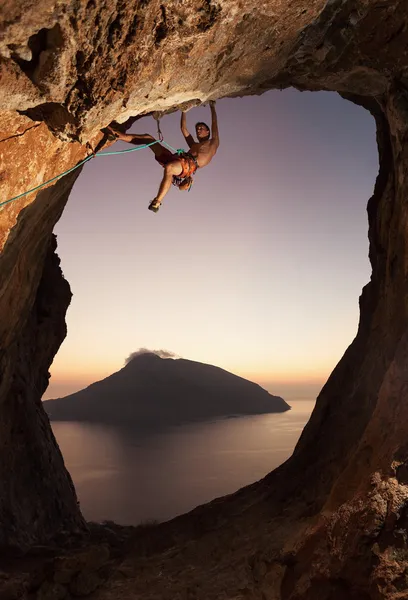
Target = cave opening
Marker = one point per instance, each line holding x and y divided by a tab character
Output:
275	229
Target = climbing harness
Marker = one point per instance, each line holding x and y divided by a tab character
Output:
186	175
178	151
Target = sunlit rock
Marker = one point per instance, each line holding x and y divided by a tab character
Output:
331	522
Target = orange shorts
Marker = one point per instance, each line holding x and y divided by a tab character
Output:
188	163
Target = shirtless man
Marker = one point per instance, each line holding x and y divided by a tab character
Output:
179	168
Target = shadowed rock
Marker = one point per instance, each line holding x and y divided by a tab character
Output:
329	523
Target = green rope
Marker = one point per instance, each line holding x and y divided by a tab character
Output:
179	151
49	181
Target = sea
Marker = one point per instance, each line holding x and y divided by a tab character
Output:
132	477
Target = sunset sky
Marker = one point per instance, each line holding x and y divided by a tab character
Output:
257	270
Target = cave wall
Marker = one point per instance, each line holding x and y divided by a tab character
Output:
332	512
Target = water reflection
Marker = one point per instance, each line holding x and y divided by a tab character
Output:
130	476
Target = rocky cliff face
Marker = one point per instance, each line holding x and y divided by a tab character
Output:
331	522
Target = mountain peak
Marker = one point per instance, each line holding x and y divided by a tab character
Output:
151	390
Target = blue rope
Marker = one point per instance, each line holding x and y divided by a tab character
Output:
179	151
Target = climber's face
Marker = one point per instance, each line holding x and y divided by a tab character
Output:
202	131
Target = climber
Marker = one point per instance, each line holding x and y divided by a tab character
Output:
179	168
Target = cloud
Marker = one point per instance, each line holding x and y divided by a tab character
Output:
161	353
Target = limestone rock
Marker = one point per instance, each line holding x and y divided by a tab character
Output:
325	525
52	591
90	558
12	588
85	583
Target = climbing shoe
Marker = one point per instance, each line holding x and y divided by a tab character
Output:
153	206
110	133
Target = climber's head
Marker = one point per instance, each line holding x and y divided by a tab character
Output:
202	131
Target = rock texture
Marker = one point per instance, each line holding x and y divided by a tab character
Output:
331	522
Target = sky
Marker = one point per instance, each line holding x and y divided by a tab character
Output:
257	269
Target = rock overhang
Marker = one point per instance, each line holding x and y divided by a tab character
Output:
67	70
79	66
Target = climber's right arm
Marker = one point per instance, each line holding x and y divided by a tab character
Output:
187	135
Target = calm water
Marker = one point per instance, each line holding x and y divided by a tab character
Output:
129	478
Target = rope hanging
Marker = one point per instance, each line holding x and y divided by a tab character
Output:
179	151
